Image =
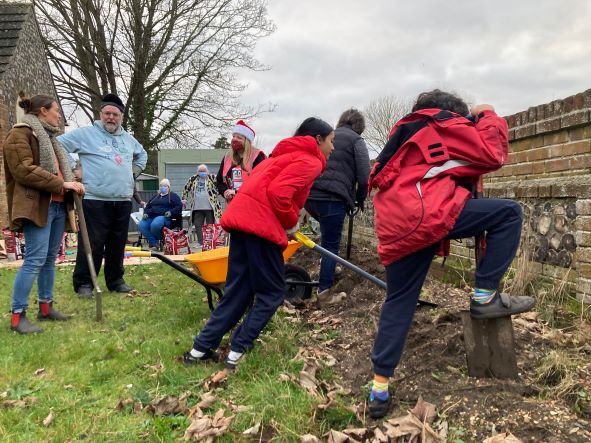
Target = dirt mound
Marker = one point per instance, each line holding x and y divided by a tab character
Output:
434	364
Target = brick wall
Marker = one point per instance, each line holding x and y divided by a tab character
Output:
28	72
549	173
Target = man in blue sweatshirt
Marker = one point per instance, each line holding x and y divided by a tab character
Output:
110	158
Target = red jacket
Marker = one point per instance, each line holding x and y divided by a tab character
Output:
270	201
420	172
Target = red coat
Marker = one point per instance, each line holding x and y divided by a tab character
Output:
270	201
420	172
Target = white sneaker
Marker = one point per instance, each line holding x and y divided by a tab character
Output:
327	297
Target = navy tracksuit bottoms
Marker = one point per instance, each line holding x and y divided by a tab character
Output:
256	272
499	219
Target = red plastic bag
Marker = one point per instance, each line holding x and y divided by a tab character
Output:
14	243
214	237
175	242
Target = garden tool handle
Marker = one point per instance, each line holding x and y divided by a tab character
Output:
136	253
89	259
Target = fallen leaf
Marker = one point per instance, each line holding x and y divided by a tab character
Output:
69	387
39	371
380	436
122	403
207	400
49	419
309	438
13	404
215	380
308	381
424	411
169	405
254	431
4	394
206	427
337	437
285	377
357	432
503	438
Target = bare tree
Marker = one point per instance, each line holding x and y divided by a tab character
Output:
380	115
174	61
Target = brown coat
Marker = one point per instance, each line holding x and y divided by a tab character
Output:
28	185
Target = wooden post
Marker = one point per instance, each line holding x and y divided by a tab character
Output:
490	347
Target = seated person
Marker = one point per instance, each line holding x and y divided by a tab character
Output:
159	212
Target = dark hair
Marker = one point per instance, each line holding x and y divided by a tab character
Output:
441	100
352	117
34	104
313	126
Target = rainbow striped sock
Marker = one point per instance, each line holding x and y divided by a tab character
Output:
483	296
379	391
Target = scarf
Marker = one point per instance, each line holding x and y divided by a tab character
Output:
49	147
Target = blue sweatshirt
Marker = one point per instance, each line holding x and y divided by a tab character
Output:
108	160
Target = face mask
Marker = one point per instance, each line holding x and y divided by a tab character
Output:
202	174
237	145
163	189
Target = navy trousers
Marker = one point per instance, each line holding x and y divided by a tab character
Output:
255	272
107	223
500	219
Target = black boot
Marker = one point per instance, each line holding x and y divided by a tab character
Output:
22	325
46	312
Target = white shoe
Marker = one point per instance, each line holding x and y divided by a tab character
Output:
327	297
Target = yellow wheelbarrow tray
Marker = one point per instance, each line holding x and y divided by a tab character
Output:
211	268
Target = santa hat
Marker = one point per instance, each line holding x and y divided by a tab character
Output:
243	129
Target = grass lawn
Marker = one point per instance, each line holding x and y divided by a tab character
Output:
90	366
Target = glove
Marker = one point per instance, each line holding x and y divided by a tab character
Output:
167	214
145	217
136	171
291	231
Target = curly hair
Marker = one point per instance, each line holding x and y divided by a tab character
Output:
352	117
441	100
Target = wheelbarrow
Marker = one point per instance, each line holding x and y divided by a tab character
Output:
211	268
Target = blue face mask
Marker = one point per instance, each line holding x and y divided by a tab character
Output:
163	189
202	174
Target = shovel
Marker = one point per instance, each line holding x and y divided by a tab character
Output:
351	213
306	241
88	251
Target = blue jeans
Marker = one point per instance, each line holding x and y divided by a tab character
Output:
151	228
331	216
41	248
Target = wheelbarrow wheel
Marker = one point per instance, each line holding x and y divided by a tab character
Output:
295	273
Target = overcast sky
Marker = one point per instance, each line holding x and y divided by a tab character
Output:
327	55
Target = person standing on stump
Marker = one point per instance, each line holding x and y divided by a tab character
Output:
424	176
260	219
38	178
110	160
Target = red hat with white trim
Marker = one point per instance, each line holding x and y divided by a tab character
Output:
243	129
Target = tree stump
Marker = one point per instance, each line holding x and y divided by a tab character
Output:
490	347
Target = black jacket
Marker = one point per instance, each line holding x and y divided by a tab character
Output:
347	170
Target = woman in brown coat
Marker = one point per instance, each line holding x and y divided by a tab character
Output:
38	175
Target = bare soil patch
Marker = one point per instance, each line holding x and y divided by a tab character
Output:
434	367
